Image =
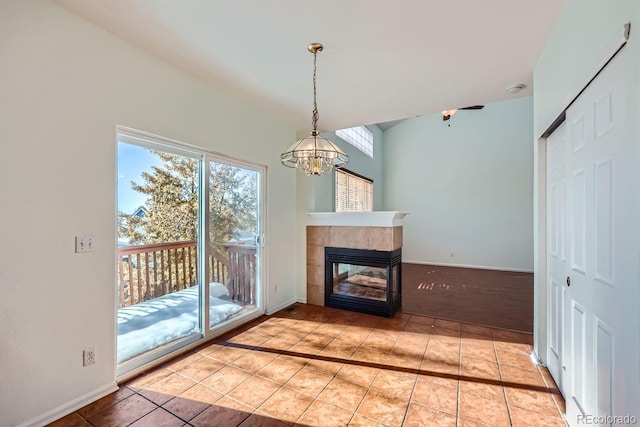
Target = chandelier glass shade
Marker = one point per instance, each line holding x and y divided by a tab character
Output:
314	154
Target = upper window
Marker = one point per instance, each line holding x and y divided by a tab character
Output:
360	137
354	193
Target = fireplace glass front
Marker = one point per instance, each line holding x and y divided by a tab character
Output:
363	280
360	281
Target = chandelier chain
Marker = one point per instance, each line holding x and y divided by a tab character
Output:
314	115
314	154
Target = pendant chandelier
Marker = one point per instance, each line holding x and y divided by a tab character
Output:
314	154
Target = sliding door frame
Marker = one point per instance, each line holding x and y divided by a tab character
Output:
261	171
155	357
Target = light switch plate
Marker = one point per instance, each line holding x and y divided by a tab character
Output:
85	244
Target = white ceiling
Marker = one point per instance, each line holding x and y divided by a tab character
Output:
383	60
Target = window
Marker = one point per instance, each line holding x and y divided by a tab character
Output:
360	137
354	193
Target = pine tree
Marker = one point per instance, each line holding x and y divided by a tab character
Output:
232	202
172	202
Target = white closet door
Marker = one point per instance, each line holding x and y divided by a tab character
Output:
590	192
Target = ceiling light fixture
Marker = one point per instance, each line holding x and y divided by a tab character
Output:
446	114
314	154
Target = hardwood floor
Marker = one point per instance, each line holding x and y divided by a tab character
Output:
499	299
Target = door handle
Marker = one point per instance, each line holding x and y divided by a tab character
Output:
568	281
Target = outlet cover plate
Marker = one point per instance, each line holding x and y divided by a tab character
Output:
89	356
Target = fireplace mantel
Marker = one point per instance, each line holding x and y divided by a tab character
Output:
355	219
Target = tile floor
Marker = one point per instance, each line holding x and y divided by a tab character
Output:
316	366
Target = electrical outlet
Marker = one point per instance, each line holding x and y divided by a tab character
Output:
85	244
89	356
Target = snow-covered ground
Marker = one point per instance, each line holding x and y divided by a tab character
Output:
149	324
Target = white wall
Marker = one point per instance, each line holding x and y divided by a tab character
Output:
64	86
467	188
582	36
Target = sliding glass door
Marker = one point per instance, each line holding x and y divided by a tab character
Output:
157	261
171	279
233	245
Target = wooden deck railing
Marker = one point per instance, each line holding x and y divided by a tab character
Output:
242	272
149	271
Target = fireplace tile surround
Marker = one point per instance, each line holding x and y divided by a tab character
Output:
380	238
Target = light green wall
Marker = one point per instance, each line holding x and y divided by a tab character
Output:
467	187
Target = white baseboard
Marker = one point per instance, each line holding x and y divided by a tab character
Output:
302	300
479	267
536	360
281	306
69	407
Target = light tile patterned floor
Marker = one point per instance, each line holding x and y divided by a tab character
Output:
316	366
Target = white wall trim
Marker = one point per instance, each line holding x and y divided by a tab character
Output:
281	306
536	360
478	267
302	300
69	407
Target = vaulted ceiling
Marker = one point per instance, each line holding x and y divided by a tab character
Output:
383	60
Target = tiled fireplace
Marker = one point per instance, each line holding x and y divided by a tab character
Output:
354	261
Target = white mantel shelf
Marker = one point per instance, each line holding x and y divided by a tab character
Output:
362	219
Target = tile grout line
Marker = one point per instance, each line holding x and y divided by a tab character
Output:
147	413
555	403
366	393
374	380
504	391
370	386
361	345
325	386
415	384
255	374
